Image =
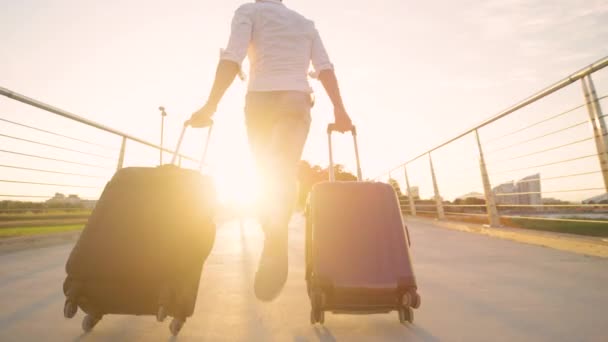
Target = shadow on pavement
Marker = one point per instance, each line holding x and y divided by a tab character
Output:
422	334
324	334
27	311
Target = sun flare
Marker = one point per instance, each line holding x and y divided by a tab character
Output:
236	185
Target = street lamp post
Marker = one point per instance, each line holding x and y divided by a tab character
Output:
162	131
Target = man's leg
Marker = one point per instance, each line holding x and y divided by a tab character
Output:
289	136
260	118
283	151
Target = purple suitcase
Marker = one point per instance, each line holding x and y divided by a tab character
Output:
357	249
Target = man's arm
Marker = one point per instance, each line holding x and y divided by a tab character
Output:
229	65
224	76
327	76
330	83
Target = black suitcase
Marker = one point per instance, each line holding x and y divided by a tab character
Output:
357	249
143	248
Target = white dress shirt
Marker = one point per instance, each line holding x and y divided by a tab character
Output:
280	44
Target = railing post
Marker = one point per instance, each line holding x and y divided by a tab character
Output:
598	125
390	182
598	112
179	161
410	196
121	157
438	200
163	113
493	217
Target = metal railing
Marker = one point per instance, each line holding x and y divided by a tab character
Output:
38	161
552	147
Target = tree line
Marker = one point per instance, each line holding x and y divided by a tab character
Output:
309	175
27	205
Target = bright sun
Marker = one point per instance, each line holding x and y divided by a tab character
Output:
236	185
231	164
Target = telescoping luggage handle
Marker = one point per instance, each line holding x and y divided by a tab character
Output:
330	129
205	147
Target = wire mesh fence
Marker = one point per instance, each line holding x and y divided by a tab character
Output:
541	163
55	161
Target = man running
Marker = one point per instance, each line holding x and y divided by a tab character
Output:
280	44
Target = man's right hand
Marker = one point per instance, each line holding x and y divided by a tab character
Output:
202	117
343	122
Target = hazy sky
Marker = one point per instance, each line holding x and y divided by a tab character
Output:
413	73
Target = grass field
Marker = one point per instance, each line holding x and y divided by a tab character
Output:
50	215
31	223
578	228
28	231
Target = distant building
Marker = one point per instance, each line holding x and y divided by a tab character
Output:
597	199
529	190
526	191
58	198
505	194
475	195
71	200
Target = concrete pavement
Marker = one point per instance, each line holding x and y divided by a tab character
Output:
473	287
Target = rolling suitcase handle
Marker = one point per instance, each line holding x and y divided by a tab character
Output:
330	129
205	148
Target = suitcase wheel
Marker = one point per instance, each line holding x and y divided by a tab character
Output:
406	300
89	322
69	309
416	301
411	300
175	326
406	315
318	301
161	314
317	316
